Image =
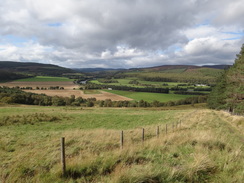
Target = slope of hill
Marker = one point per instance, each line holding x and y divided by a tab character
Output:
164	73
8	76
177	73
229	92
33	68
217	66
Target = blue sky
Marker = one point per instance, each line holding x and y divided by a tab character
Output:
121	34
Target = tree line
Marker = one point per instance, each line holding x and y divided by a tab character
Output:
127	88
14	95
228	93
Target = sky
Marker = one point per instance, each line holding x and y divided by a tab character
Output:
121	33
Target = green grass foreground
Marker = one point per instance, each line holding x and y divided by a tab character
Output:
207	147
149	97
45	79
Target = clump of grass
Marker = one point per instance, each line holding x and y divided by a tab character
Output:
29	119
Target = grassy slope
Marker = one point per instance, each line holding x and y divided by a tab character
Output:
149	97
45	79
207	148
34	68
180	75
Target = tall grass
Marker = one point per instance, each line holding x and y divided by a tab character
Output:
203	149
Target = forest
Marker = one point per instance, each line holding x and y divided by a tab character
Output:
229	92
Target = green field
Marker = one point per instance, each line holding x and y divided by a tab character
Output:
206	147
149	97
122	82
125	82
45	79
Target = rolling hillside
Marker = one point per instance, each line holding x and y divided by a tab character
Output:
33	68
177	73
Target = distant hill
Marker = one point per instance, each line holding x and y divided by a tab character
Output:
176	73
9	76
33	68
87	70
229	92
217	66
165	73
167	67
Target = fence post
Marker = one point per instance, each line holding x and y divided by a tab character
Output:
166	129
143	134
121	139
157	131
63	155
173	126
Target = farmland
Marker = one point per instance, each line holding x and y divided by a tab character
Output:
101	95
43	83
126	82
66	84
69	88
149	97
45	79
207	147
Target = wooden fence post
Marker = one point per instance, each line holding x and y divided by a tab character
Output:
173	126
63	155
143	134
157	131
121	139
166	129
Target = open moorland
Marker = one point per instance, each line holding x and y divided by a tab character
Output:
200	145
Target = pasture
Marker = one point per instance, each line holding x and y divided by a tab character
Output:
207	147
45	79
125	82
149	97
69	89
99	95
22	84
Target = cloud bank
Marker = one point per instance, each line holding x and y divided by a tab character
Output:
121	34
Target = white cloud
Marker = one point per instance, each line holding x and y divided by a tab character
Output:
115	33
